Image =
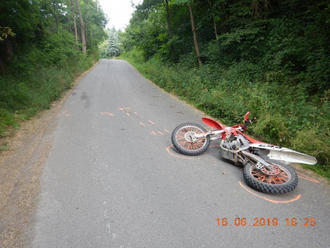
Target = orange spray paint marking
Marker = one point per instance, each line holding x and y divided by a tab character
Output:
142	124
177	155
107	113
267	199
151	122
160	133
307	178
153	133
166	130
124	108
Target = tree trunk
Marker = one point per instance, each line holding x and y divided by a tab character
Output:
55	14
193	29
214	22
74	22
169	30
82	28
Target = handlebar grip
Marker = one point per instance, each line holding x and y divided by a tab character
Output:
248	122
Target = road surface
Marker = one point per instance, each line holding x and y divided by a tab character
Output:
112	179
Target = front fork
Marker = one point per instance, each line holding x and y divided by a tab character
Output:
260	163
214	135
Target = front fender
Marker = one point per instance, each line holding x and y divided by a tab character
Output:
213	123
285	154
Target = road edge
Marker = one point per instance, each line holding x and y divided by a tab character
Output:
21	167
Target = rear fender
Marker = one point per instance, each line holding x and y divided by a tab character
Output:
285	154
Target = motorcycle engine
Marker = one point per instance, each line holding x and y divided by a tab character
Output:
232	144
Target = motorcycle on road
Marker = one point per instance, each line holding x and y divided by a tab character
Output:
266	166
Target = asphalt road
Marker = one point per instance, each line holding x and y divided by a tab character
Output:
111	179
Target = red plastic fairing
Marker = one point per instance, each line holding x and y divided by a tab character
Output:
252	140
213	123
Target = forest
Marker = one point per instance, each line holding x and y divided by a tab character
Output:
44	45
228	57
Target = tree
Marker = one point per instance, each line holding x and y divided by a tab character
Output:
82	28
73	10
45	25
169	30
110	47
214	21
189	4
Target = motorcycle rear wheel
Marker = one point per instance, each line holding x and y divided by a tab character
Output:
182	135
284	182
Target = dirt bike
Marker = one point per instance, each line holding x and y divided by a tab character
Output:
266	166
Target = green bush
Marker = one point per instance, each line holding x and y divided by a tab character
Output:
6	119
39	76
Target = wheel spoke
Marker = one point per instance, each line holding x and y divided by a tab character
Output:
186	135
270	177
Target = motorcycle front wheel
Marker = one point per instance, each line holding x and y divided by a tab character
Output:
283	181
185	142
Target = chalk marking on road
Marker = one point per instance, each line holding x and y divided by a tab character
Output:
300	175
66	113
160	133
142	124
170	151
107	113
267	199
124	108
151	122
153	133
166	130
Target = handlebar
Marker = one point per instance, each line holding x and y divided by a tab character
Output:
248	122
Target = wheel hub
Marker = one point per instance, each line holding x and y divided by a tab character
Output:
190	136
275	170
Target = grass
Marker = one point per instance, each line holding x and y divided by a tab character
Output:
4	147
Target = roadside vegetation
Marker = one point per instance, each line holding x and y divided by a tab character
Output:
229	57
44	46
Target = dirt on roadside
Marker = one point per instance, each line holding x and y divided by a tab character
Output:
20	170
